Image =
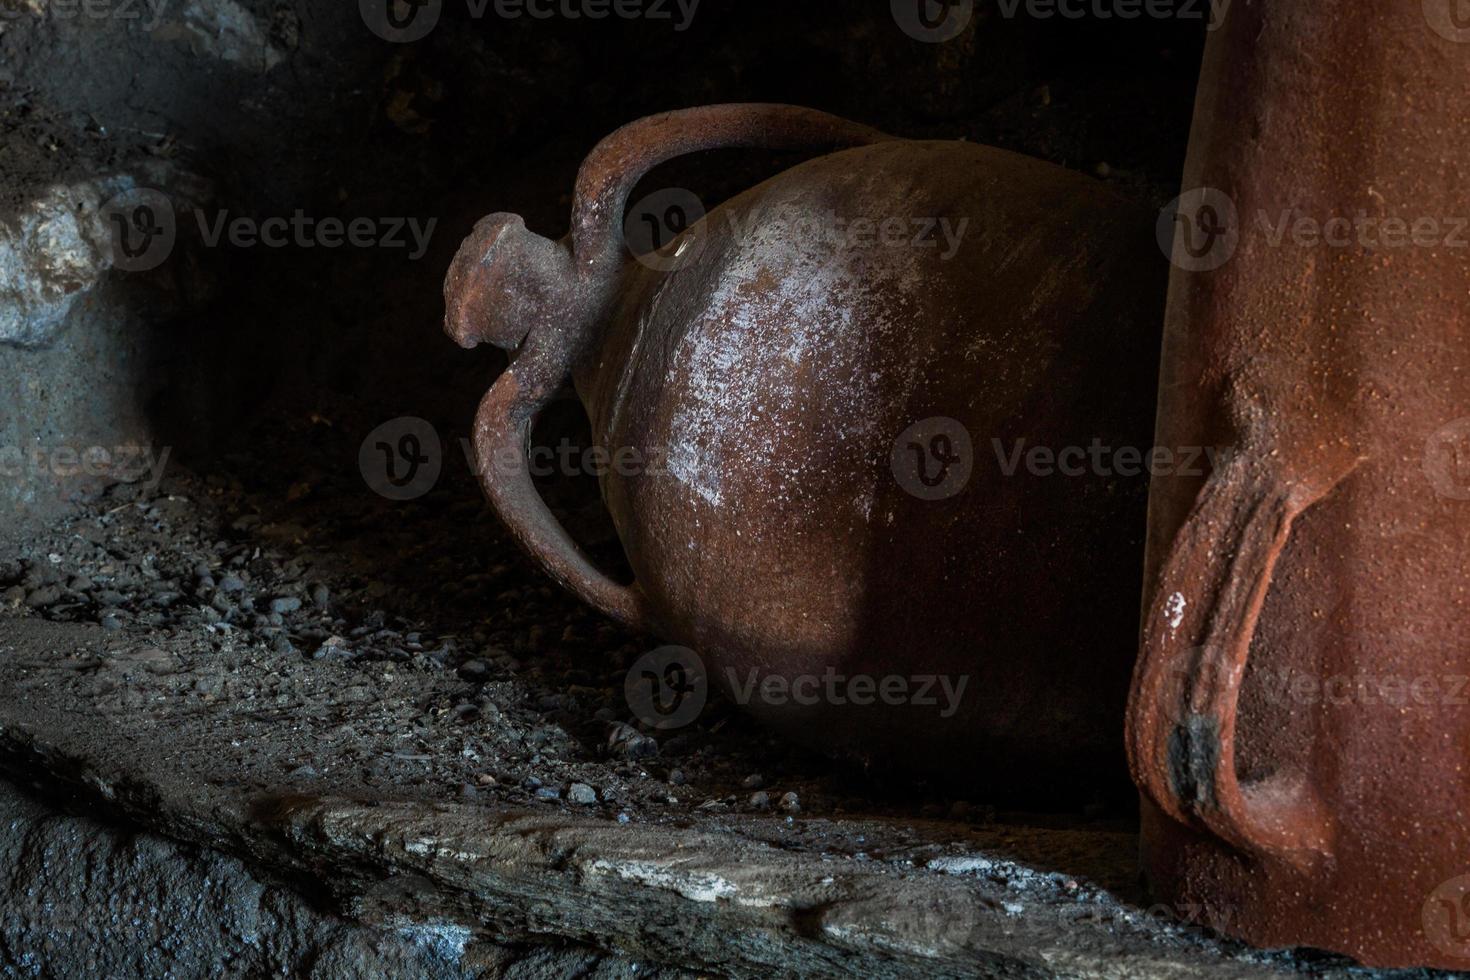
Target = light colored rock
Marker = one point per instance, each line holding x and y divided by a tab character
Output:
52	251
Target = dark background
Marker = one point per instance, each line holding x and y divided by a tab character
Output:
488	114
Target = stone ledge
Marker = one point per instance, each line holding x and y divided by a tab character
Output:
738	895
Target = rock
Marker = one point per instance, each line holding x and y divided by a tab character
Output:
194	909
53	252
232	583
285	604
474	671
110	622
760	800
627	742
47	595
790	802
548	793
581	793
754	781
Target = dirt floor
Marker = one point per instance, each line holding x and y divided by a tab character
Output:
228	587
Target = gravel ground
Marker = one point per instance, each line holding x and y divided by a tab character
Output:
281	567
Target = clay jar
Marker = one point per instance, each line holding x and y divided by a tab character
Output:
883	470
1299	725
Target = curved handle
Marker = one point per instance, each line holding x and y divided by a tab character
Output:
1181	724
502	435
616	164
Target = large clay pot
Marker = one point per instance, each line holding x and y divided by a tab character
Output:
800	518
1299	723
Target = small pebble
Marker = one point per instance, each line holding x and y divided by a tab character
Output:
474	671
548	793
677	777
760	800
581	793
790	802
285	604
754	781
47	595
232	583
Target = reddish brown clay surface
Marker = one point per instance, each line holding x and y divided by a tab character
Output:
827	431
1299	721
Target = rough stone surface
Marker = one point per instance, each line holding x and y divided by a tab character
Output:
52	252
730	893
81	898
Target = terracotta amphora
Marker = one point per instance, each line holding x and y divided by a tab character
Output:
869	414
1300	718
